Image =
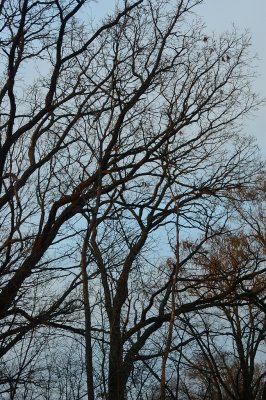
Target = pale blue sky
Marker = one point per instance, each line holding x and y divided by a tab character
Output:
220	15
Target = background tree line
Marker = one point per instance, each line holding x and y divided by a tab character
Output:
132	206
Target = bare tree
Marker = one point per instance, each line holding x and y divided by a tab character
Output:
127	122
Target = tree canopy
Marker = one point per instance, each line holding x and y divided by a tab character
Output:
132	206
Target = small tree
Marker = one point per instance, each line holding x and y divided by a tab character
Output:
228	361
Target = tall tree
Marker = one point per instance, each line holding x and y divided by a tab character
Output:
111	130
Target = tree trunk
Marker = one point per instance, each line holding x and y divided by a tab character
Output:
247	393
87	317
116	381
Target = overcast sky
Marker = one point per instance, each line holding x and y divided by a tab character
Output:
220	15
